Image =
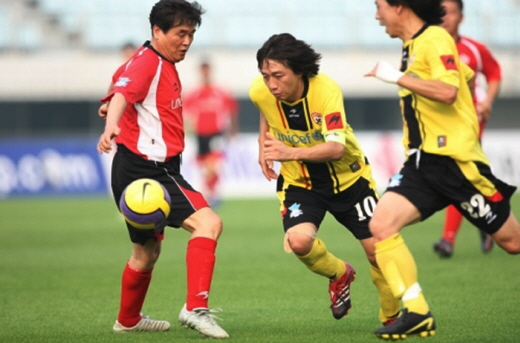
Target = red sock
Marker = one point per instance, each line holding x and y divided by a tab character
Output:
200	261
212	181
452	224
134	286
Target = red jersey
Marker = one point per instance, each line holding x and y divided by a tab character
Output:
479	59
210	108
152	124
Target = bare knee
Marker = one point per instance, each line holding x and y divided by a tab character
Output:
145	256
300	244
512	248
204	223
380	228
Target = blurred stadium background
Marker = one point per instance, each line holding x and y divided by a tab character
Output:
57	58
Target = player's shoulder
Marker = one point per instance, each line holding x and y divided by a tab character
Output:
436	33
469	41
258	89
323	82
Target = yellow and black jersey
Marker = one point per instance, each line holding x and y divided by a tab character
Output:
432	126
305	123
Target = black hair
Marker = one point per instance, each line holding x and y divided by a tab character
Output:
291	52
459	3
431	11
167	14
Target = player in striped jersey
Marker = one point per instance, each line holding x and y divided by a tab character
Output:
144	116
487	85
445	164
323	169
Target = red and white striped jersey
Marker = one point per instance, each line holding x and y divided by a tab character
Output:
481	61
152	124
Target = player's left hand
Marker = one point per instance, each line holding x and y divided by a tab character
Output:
484	110
103	110
275	150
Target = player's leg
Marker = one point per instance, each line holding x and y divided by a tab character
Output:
397	264
353	208
212	165
508	236
392	213
485	201
452	222
134	287
390	305
312	252
205	227
302	213
145	252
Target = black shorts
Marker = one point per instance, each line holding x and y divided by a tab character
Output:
127	167
352	208
439	182
209	143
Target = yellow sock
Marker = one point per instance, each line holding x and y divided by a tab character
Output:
390	305
322	262
399	269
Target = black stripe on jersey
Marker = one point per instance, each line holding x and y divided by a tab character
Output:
334	176
404	59
320	175
307	113
295	116
414	134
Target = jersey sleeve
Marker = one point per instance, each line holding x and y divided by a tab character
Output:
133	80
334	118
467	71
490	67
442	58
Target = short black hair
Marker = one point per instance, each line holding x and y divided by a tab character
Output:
167	14
431	11
295	54
459	3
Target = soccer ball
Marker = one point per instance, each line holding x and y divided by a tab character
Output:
145	204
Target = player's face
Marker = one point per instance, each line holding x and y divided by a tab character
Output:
283	83
453	17
175	43
387	16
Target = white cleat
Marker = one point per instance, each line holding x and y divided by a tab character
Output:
203	321
145	324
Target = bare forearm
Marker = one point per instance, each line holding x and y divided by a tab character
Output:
493	88
115	110
326	152
431	89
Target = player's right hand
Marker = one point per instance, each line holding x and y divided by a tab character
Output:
105	141
267	167
386	72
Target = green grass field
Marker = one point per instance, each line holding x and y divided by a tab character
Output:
61	262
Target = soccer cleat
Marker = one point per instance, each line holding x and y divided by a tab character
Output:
145	324
443	248
339	291
486	242
391	320
408	323
203	321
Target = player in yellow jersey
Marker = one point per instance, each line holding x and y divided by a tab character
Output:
445	163
323	169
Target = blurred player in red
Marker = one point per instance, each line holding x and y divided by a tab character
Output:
213	113
128	50
487	85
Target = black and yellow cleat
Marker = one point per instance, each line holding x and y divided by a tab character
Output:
408	323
